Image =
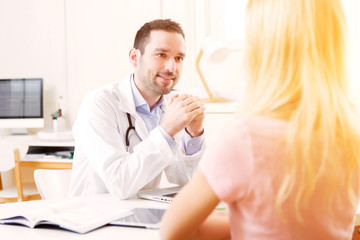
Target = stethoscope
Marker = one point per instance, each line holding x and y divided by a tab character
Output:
131	127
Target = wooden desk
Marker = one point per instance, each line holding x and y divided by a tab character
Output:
106	232
59	164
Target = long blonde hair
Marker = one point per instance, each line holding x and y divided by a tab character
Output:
295	60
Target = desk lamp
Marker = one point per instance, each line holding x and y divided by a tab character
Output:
216	53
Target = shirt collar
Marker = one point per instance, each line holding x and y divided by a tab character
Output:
139	100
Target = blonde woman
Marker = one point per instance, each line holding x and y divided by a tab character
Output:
288	168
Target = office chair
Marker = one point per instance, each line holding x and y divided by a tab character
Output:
52	183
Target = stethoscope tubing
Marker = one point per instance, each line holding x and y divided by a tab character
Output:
131	127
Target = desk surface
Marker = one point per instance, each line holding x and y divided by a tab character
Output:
107	232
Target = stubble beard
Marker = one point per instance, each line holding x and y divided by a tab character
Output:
167	75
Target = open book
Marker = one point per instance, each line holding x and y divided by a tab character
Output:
78	215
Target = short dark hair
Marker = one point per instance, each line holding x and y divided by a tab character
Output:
143	33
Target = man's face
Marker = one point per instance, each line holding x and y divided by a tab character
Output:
159	66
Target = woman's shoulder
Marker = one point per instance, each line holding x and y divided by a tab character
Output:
254	128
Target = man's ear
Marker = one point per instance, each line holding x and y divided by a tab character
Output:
134	55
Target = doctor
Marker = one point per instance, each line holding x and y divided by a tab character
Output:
128	133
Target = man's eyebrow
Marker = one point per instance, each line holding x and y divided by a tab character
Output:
181	54
161	50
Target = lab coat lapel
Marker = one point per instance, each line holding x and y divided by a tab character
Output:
140	127
125	96
128	105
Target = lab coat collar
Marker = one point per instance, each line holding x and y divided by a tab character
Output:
127	104
125	96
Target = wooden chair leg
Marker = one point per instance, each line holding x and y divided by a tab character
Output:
7	200
18	175
1	186
18	179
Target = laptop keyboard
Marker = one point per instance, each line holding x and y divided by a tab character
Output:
170	195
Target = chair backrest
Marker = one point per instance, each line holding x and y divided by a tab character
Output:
52	183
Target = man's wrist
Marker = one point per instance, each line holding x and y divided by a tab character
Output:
171	134
195	134
169	139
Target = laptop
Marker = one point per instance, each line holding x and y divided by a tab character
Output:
161	195
142	217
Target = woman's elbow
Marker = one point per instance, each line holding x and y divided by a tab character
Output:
168	232
165	234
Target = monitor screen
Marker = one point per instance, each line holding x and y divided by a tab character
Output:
21	103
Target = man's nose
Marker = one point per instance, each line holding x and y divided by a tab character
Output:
170	65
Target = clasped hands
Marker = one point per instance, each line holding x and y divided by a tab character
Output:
184	112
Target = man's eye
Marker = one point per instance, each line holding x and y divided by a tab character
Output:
161	55
179	59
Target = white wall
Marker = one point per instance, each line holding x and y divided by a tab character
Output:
101	33
80	45
32	45
99	37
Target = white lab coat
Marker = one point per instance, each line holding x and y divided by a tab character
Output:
101	162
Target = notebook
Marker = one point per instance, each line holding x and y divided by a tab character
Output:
161	195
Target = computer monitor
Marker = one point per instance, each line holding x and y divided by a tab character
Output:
21	104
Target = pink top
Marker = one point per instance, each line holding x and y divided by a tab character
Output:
246	165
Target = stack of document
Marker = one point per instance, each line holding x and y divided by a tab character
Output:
66	152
